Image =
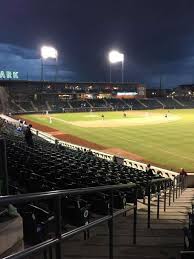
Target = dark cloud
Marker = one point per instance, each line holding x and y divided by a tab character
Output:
28	64
156	36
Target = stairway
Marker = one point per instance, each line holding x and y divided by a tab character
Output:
69	104
108	104
88	103
33	106
177	101
163	105
145	106
162	241
18	106
126	104
48	106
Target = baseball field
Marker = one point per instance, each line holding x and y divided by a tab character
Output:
161	137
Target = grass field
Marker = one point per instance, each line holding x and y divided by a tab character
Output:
168	142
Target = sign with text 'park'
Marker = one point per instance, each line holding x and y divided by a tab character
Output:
9	75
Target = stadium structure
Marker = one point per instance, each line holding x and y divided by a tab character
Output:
34	96
65	200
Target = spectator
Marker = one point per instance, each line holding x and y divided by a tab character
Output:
159	173
28	136
183	172
149	170
19	129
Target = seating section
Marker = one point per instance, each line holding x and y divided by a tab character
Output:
47	167
79	104
169	103
151	103
134	104
55	104
26	105
41	106
117	104
13	107
98	103
188	102
59	105
63	168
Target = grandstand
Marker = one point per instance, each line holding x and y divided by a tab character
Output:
30	97
78	202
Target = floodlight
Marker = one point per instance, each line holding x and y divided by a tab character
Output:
115	56
48	52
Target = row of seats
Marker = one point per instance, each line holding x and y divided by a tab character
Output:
106	104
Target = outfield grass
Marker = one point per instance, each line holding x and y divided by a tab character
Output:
170	145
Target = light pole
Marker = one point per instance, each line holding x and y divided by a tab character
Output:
116	57
48	52
123	69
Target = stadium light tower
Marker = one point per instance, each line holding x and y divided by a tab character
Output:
48	52
116	57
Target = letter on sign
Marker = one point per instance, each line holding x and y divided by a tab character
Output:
2	74
15	75
8	74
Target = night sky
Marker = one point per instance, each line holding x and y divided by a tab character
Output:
156	37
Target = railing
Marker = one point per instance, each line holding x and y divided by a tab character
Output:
171	190
59	236
142	166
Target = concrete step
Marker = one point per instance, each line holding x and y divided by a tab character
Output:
102	251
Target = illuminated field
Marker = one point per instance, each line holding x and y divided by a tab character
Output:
168	142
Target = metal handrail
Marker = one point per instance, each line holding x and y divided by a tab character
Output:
176	187
52	194
187	252
59	236
159	180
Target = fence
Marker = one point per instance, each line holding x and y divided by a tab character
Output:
164	187
171	189
59	236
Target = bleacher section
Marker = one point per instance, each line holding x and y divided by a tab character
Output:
13	107
169	103
151	103
117	104
59	105
49	167
40	105
26	105
98	103
134	104
79	104
44	167
61	167
188	102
